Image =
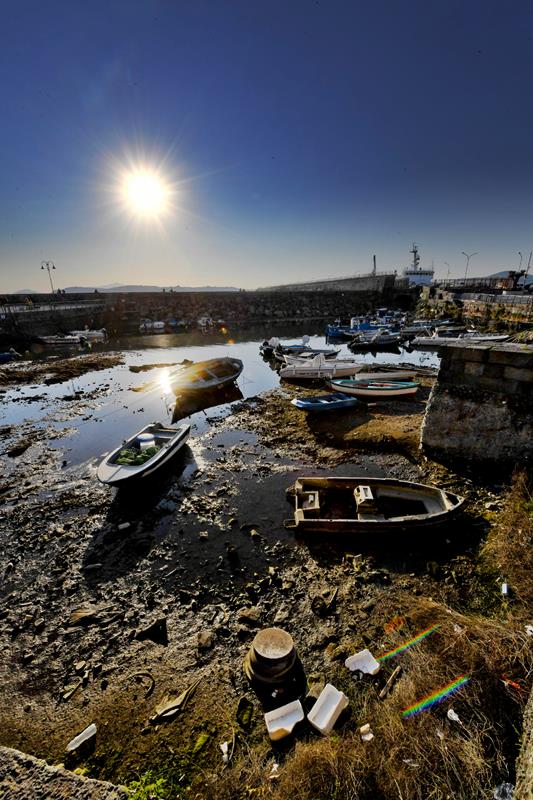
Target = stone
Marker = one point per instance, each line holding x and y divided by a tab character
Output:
249	616
206	640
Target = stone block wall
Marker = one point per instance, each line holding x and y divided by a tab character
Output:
481	407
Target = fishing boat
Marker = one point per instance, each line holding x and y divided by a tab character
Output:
205	375
63	341
378	338
365	505
442	338
383	390
11	355
319	367
325	402
305	355
142	454
91	335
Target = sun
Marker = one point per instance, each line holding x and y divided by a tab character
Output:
146	193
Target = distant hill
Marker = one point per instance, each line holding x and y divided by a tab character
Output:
120	287
25	291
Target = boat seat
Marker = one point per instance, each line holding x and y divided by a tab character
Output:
364	499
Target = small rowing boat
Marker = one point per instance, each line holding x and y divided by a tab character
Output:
142	454
325	402
319	367
205	375
306	355
364	505
384	390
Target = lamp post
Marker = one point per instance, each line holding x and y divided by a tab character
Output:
448	273
468	257
49	265
520	265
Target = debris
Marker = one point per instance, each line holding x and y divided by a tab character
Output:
150	677
249	616
410	762
365	732
156	632
529	630
281	721
322	607
390	683
71	690
245	712
169	707
225	752
85	736
327	709
123	526
363	661
273	775
203	536
86	615
505	791
505	589
453	716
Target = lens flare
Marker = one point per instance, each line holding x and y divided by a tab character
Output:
435	697
164	382
408	644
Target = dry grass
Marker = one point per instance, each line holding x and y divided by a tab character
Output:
509	547
426	757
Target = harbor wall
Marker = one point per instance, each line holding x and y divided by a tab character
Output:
481	406
122	312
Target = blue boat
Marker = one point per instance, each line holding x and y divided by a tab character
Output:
325	402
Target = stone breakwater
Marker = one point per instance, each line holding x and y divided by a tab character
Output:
481	407
122	312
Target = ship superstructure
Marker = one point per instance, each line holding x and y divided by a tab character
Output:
415	274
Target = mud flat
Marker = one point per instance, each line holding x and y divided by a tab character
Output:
114	604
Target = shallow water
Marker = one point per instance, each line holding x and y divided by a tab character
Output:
119	402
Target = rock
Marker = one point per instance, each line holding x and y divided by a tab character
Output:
203	536
249	616
206	640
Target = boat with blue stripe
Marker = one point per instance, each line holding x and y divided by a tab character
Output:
325	402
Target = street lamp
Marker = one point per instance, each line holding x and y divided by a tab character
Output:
48	265
520	265
448	273
468	257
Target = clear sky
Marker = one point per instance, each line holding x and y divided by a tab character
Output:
298	138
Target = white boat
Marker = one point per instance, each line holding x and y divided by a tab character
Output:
205	375
91	335
63	341
135	459
305	356
319	367
383	390
440	340
364	505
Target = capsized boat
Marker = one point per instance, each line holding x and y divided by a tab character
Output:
142	454
364	505
205	375
325	402
384	390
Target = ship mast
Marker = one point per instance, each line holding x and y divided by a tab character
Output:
416	257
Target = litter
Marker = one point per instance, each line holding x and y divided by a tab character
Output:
225	751
410	762
453	716
168	708
363	661
365	732
505	791
327	709
529	630
390	683
81	738
505	589
274	772
281	721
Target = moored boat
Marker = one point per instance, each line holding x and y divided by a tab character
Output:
205	375
142	454
364	505
91	335
319	367
325	402
306	355
384	390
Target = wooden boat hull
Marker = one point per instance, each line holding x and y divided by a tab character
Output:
172	439
369	505
376	389
330	402
205	375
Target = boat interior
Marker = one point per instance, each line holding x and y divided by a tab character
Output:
161	437
368	502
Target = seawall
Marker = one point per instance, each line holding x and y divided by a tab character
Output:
481	407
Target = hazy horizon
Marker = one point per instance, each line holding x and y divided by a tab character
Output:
289	141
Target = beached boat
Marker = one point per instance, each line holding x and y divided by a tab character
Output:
63	341
11	355
325	402
319	367
384	390
205	375
142	454
364	505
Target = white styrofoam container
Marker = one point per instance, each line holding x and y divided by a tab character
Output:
281	721
327	709
363	661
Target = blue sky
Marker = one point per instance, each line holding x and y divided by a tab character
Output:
300	138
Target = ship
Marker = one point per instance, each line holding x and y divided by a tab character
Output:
415	274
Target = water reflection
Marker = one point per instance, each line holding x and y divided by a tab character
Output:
191	403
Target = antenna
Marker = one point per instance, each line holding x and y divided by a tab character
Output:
374	269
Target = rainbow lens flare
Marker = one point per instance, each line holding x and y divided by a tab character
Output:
435	697
410	643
